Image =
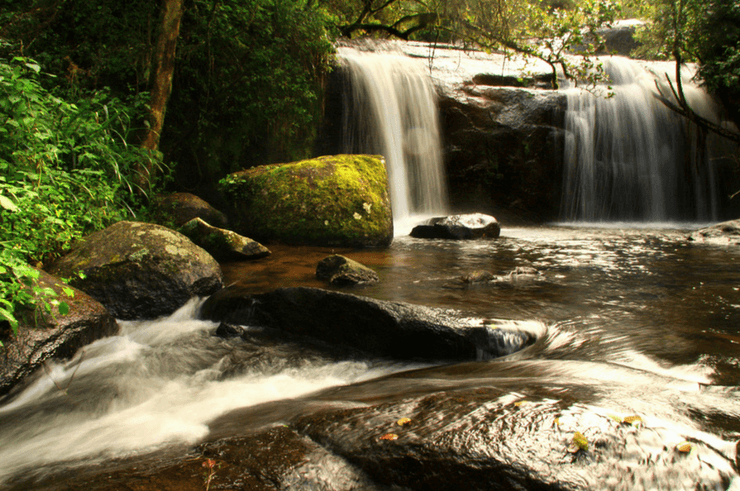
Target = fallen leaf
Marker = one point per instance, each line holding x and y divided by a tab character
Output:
633	420
685	447
521	403
579	443
389	436
403	422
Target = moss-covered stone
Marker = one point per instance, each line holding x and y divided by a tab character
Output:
339	200
140	270
222	244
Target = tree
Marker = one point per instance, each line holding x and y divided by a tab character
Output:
163	59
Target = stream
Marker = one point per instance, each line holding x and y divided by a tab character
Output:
630	319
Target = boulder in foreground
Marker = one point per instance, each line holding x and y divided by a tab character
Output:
46	336
339	200
389	329
139	270
459	227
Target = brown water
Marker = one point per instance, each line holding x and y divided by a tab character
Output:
638	321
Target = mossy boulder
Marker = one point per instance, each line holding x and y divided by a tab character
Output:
223	244
43	335
140	270
339	200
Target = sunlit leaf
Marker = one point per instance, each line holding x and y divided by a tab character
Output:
6	203
63	308
633	420
580	442
521	403
403	421
389	436
685	447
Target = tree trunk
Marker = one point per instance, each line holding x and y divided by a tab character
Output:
163	61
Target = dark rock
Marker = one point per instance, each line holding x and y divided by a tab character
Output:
227	331
340	270
478	277
223	244
459	227
389	329
489	439
339	200
725	233
42	336
180	208
139	271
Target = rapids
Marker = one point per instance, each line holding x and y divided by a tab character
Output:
629	321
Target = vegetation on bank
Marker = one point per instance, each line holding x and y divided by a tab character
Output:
84	85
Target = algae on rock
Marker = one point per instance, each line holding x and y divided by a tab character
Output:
339	200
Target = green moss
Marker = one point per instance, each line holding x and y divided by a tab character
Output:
333	200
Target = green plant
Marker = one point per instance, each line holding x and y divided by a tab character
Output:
66	169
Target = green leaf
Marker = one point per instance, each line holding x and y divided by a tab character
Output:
6	203
63	308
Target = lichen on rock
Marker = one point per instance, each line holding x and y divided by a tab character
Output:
339	200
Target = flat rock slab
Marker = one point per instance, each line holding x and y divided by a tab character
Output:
389	329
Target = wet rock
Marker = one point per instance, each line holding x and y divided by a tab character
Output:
223	244
725	233
139	271
390	329
340	270
272	459
503	149
339	200
478	277
42	335
459	227
180	208
488	439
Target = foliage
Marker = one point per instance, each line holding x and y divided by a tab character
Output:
248	83
65	171
542	29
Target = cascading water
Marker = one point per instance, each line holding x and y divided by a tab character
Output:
390	109
630	158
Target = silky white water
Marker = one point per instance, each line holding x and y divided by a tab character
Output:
628	157
390	109
156	383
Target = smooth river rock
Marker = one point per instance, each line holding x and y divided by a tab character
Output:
343	271
339	200
725	233
390	329
459	227
180	208
44	335
139	270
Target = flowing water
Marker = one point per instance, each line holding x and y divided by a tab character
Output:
629	157
390	110
629	320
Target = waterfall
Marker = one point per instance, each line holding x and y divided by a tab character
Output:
630	158
390	109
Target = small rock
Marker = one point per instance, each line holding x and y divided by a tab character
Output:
459	227
725	233
223	244
340	270
183	207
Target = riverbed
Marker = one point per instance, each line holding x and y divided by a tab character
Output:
632	319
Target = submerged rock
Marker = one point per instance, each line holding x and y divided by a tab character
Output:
180	208
459	227
223	244
139	270
43	335
339	200
390	329
725	233
340	270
